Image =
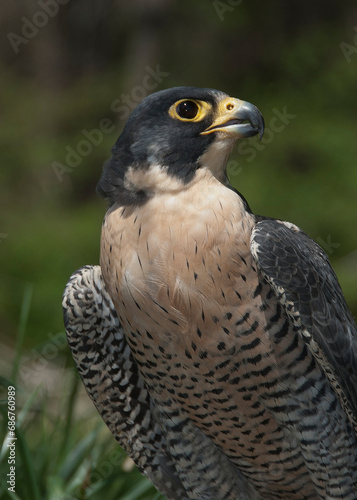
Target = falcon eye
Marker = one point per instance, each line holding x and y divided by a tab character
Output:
190	110
187	109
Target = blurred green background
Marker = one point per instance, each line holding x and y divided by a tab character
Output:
70	73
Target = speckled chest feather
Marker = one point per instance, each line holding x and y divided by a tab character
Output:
206	331
180	263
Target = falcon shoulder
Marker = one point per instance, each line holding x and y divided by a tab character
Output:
302	277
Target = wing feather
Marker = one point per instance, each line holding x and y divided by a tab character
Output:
299	271
112	379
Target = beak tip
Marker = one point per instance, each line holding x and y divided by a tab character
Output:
257	121
252	114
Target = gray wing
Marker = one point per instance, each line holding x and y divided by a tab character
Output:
112	379
303	279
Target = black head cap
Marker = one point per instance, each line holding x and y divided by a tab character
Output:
152	136
170	131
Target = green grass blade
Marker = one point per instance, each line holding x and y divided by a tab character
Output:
4	495
28	468
76	457
24	314
69	416
142	487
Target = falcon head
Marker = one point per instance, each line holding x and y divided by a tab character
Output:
170	136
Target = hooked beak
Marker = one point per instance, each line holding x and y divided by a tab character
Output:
236	118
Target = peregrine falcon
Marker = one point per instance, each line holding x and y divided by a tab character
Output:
216	344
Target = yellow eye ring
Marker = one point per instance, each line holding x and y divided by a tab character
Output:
189	110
